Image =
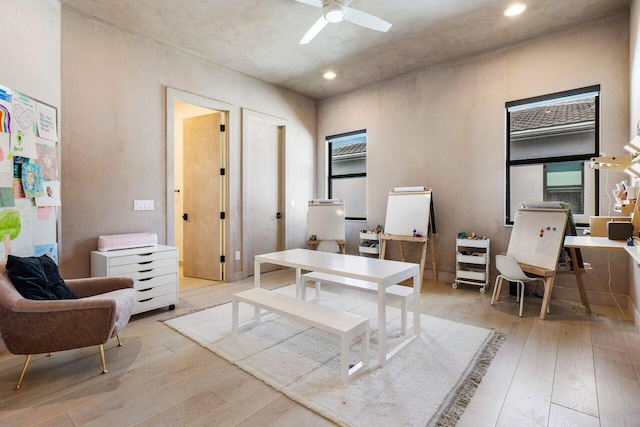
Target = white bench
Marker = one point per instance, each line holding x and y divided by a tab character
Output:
347	326
402	293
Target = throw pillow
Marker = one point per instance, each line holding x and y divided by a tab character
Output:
37	278
54	281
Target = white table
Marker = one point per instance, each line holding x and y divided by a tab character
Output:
383	272
593	242
575	242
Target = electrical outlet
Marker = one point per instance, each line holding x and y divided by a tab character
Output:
237	255
293	202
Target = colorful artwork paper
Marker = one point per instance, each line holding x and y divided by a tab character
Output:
6	159
24	145
23	114
44	212
18	191
16	223
6	197
52	194
46	122
5	110
50	249
48	160
32	180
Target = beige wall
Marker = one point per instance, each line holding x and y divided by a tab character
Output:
114	122
31	55
444	127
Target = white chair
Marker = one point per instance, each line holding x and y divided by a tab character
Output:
510	270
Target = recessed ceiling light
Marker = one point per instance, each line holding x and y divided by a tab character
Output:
515	9
329	75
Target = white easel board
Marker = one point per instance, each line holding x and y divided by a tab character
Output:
325	219
408	211
537	237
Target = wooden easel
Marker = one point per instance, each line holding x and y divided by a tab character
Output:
550	274
325	222
313	244
577	264
429	239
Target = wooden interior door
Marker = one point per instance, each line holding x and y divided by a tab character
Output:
264	210
201	221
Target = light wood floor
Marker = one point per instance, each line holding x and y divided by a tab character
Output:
570	370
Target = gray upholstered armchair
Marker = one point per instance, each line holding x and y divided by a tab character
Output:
29	327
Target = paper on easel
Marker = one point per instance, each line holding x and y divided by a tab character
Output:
408	189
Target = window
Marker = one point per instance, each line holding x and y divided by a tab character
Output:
550	140
348	172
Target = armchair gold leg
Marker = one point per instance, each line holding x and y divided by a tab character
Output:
119	342
24	369
49	354
104	364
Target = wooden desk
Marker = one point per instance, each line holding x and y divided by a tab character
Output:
573	242
384	273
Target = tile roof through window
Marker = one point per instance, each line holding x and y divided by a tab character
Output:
550	116
349	149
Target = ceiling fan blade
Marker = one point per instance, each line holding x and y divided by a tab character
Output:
314	30
314	3
366	20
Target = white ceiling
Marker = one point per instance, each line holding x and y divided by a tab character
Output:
260	37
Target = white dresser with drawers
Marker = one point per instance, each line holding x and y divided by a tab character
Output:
154	269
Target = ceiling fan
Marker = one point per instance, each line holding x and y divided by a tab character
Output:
337	10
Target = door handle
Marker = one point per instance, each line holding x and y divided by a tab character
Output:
185	216
278	215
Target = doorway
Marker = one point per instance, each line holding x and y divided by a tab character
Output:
196	187
263	147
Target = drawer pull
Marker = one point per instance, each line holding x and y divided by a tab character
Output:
145	271
150	253
145	300
145	262
145	279
145	290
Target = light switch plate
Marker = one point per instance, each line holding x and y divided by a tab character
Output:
143	205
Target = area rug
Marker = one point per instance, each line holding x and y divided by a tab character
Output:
429	382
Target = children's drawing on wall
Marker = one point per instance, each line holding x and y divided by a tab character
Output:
5	110
46	122
24	145
23	115
6	197
44	212
18	191
52	194
47	159
15	229
6	159
50	249
32	180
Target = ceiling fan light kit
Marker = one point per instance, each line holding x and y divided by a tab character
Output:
336	11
